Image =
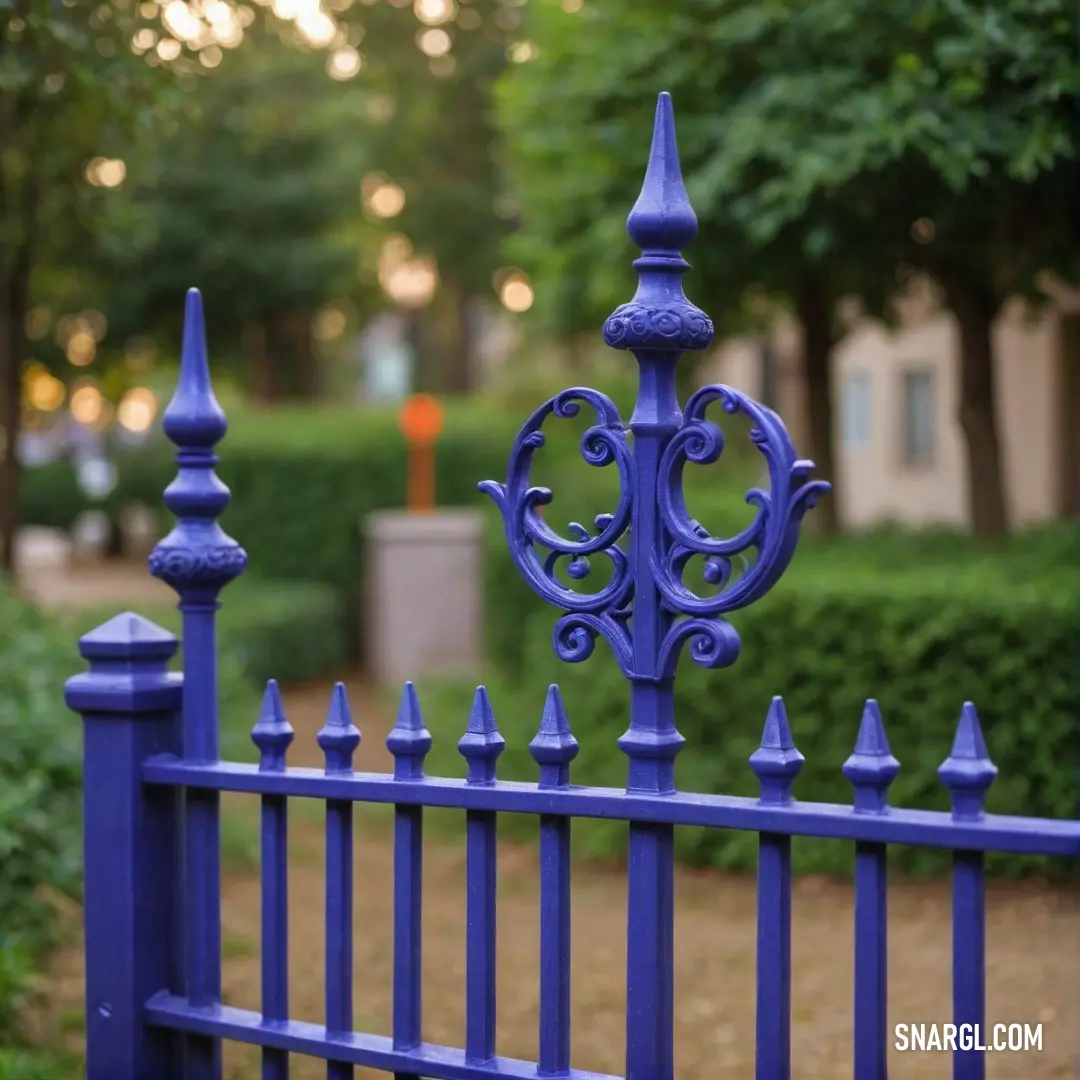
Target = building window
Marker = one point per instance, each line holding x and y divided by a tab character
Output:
918	417
856	411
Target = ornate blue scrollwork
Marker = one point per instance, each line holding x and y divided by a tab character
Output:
589	615
773	533
646	612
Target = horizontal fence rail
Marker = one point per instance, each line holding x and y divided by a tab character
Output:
153	774
919	828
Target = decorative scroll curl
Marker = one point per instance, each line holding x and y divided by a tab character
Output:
589	615
774	531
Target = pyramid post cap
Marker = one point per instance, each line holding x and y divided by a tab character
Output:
128	636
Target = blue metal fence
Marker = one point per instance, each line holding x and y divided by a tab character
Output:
153	775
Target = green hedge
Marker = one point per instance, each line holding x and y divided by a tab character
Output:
285	630
40	796
997	630
303	480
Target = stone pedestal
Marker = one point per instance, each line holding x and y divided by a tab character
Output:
424	594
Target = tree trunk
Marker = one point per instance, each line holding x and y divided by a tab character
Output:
261	375
975	309
14	303
1069	417
418	335
457	342
306	363
815	314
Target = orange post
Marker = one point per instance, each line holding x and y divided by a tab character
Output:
421	422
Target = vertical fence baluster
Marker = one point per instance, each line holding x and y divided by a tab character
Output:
338	740
409	742
776	764
197	559
871	768
553	748
647	611
130	706
660	223
272	735
481	746
968	772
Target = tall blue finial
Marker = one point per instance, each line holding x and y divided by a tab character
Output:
661	223
197	559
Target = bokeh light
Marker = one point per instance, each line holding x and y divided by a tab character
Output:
521	52
344	63
86	404
330	324
46	392
434	12
382	197
137	409
81	348
434	42
515	292
43	391
409	280
105	172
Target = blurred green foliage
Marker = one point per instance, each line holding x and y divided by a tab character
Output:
40	796
289	631
811	136
833	151
251	192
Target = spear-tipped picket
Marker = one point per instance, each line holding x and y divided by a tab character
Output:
409	741
871	767
481	744
339	736
777	762
554	746
272	734
968	771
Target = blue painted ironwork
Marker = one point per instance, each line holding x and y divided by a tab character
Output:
153	775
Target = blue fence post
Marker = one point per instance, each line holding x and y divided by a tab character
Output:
198	560
647	612
130	707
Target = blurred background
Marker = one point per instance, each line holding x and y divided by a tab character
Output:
385	197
